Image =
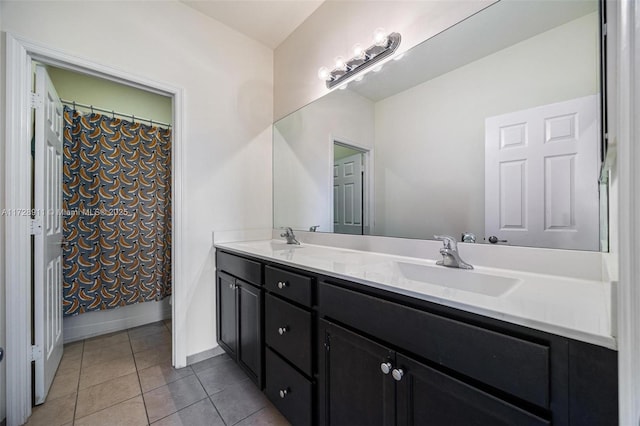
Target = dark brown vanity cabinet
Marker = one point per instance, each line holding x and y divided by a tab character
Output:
288	336
364	382
239	299
336	352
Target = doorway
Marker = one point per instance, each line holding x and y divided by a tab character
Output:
20	352
350	189
102	192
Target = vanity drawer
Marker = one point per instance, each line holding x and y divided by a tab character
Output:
295	325
239	267
289	285
516	366
295	404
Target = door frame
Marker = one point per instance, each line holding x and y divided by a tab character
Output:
624	22
367	151
20	53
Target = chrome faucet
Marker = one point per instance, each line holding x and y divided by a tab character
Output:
290	236
450	255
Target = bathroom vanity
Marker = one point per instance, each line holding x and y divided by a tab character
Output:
345	337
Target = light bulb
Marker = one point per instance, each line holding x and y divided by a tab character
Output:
343	87
358	51
340	64
380	37
359	78
378	68
324	74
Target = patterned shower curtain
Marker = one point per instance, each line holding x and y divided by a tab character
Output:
117	222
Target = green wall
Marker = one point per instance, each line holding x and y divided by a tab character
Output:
109	95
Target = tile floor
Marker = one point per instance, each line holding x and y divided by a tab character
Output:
126	378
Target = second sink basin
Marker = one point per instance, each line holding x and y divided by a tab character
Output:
472	281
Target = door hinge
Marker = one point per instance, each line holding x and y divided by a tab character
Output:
604	29
36	100
35	227
36	352
327	343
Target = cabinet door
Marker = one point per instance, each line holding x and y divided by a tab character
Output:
227	318
428	397
250	330
354	390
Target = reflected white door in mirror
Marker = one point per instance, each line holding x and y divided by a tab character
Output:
540	167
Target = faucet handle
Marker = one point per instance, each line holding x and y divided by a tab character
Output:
448	241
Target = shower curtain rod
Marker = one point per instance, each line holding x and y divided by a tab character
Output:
114	113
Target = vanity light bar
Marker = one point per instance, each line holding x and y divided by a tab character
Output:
364	59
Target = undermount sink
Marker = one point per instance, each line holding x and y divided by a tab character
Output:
472	281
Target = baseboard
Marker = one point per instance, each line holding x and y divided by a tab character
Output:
92	324
201	356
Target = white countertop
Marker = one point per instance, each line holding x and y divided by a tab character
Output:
575	308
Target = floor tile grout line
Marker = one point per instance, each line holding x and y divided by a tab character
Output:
167	383
144	403
245	418
111	406
104	408
215	407
183	408
75	405
93	364
209	396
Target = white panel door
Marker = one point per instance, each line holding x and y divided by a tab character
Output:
541	175
47	297
347	195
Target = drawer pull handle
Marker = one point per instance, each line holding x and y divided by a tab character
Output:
386	367
283	330
284	393
283	284
397	374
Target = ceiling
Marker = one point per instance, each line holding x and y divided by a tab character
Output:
268	21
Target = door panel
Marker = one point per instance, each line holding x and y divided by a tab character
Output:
227	323
354	389
48	239
429	397
541	175
249	330
348	194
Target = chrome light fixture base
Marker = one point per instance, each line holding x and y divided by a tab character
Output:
372	55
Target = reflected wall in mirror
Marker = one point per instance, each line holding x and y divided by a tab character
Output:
491	127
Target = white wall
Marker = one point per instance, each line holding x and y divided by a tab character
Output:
227	82
303	142
430	139
3	375
336	26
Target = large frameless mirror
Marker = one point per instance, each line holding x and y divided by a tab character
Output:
488	131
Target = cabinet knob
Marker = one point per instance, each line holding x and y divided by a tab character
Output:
231	286
283	330
282	284
397	374
284	393
386	367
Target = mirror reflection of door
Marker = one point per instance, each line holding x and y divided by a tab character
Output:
540	168
348	190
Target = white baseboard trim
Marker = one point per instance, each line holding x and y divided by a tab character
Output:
92	324
201	356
